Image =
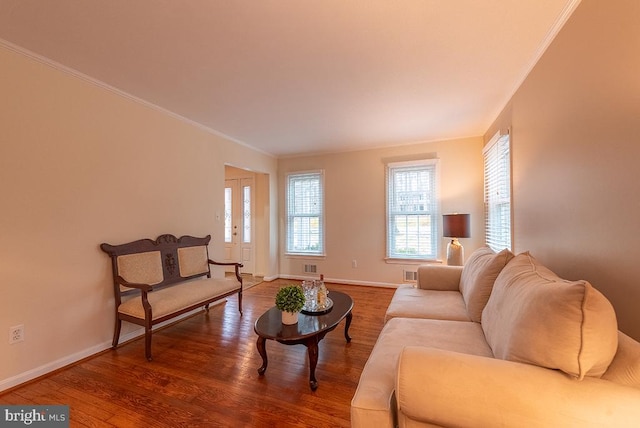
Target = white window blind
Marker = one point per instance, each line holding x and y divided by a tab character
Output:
412	226
497	192
305	213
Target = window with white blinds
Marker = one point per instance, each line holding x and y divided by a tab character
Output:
497	192
305	213
412	226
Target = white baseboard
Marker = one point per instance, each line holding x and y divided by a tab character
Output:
93	350
51	366
343	281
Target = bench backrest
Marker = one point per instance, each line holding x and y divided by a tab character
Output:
165	261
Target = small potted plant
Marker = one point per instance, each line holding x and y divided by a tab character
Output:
290	300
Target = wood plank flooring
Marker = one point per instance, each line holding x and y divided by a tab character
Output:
204	372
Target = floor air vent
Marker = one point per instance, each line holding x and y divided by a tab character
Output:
410	276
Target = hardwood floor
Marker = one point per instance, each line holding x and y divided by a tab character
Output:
204	372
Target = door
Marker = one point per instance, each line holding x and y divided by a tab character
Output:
239	222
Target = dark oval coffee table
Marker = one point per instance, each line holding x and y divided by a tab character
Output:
309	330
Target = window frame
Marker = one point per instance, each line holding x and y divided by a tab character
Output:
432	165
290	217
497	182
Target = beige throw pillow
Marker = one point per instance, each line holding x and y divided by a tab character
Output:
535	317
478	275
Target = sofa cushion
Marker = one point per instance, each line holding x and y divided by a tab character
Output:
439	388
625	367
478	276
410	302
373	404
535	317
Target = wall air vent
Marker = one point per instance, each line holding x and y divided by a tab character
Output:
310	268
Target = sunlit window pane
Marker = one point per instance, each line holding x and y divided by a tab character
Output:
412	210
305	213
246	214
228	198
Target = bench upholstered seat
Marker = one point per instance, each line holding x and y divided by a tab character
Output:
170	300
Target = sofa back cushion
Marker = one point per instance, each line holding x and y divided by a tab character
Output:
535	317
478	276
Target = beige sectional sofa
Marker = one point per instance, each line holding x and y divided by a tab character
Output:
503	342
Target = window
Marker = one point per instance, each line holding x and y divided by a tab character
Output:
412	226
497	192
228	198
246	214
305	213
237	211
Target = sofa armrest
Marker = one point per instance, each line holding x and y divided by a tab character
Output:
446	388
439	277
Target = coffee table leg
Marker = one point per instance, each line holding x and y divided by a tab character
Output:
262	349
346	327
312	349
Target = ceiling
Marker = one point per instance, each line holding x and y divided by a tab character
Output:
300	76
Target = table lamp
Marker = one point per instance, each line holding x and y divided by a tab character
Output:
455	226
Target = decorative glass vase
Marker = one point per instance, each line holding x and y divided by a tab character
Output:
315	293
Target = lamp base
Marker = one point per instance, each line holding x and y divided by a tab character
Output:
455	253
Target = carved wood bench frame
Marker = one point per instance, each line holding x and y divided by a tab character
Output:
162	264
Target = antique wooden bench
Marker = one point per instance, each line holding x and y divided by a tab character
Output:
154	281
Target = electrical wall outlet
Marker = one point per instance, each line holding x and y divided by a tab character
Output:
354	263
16	334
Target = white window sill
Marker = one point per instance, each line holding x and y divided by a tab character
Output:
304	256
399	261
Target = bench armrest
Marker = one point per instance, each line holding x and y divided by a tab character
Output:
237	266
144	287
213	262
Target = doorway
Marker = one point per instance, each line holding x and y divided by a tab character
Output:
239	213
246	202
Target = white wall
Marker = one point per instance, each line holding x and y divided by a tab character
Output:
576	145
81	165
355	207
